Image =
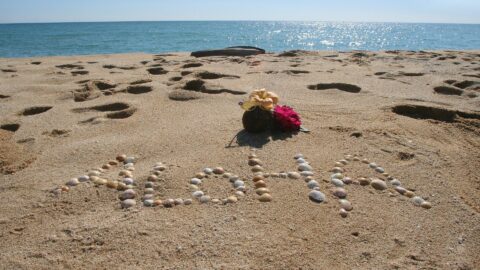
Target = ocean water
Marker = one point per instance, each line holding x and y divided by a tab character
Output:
47	39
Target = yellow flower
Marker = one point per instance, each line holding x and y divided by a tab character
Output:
262	98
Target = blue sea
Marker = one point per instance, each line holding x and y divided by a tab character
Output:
47	39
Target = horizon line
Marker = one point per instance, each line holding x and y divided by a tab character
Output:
214	20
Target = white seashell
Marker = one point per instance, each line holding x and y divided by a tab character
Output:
312	184
301	160
128	181
128	194
238	183
395	182
337	182
195	181
417	200
345	204
84	178
373	165
293	175
72	182
316	196
239	193
148	203
198	194
380	170
297	156
149	191
128	203
208	171
204	199
337	170
306	173
305	167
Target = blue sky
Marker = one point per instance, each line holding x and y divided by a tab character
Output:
450	11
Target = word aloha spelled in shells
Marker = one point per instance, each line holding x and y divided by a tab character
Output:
130	189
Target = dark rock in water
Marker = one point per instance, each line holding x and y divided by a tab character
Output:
257	120
230	51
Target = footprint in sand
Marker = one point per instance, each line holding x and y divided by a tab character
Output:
295	72
448	90
139	89
93	89
157	71
35	110
70	66
141	81
4	96
200	86
79	72
13	127
175	79
438	114
207	75
192	65
8	70
117	110
35	63
183	95
339	86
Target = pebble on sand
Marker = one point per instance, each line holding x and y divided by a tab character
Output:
347	180
197	194
337	170
258	178
395	182
129	160
364	181
426	205
316	196
205	199
187	201
380	170
260	184
238	183
312	184
337	182
121	157
130	181
128	203
254	162
148	203
168	203
373	165
400	190
232	199
306	173
343	213
149	191
83	178
195	181
208	171
200	175
257	168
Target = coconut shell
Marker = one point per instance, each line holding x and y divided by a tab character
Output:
257	120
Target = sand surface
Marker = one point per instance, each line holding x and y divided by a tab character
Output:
417	114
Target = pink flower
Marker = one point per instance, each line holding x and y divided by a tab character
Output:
286	118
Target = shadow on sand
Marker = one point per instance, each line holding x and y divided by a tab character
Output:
257	140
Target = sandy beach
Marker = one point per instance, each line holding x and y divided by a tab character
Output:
414	113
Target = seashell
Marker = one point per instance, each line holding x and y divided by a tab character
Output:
260	184
343	161
262	190
339	193
364	181
152	178
112	162
168	203
409	194
72	182
345	204
94	173
233	178
195	181
373	165
241	188
356	159
252	155
426	205
257	168
238	183
129	160
148	197
239	193
197	194
148	203
83	178
395	182
227	175
304	167
257	178
378	184
343	213
122	186
121	157
417	200
106	166
158	202
316	196
337	170
149	191
400	190
208	171
128	203
254	162
187	201
218	170
283	175
297	156
112	184
337	182
178	201
232	199
379	169
204	199
266	197
128	181
312	184
100	181
347	180
293	175
306	173
301	160
336	176
200	175
127	194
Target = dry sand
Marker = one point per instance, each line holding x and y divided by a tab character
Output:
417	115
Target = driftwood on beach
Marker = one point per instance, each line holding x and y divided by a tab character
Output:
230	51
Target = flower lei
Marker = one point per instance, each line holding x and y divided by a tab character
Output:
285	118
